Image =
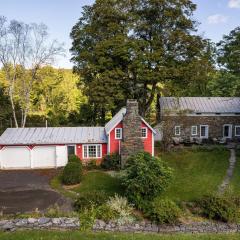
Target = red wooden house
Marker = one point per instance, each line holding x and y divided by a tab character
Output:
50	147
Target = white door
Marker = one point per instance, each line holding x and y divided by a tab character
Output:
204	131
15	158
44	157
61	156
227	131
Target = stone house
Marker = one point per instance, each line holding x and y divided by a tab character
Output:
198	119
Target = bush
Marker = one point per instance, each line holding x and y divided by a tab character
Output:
88	199
92	164
163	211
74	158
111	162
105	213
219	208
145	178
72	173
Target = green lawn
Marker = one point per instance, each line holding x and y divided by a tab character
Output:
235	182
99	181
74	235
195	172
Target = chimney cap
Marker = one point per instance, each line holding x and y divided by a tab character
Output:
132	100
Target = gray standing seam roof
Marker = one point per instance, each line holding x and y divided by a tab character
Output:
201	104
53	135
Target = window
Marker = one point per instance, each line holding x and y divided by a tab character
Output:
118	133
144	132
237	131
194	130
92	151
71	150
177	130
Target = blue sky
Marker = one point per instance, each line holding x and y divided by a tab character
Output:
217	17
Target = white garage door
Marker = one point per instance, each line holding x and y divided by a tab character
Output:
44	157
15	157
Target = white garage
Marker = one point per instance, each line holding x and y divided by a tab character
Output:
44	157
15	158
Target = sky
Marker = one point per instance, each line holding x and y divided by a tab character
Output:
216	18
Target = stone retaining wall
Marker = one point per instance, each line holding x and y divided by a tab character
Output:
74	224
203	227
40	223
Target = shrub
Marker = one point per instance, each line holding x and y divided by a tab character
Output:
72	173
88	199
163	211
74	158
219	208
92	164
120	206
111	162
105	213
145	178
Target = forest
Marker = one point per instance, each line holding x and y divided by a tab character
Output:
124	49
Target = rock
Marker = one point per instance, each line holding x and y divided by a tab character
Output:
21	223
32	220
43	220
8	227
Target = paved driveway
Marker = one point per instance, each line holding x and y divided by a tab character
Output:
27	191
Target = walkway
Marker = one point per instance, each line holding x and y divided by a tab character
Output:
232	161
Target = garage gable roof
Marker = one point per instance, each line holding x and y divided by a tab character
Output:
53	135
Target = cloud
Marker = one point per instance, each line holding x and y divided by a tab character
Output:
234	3
217	18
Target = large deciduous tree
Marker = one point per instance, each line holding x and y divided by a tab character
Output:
126	49
24	49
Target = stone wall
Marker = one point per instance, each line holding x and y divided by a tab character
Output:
131	139
40	223
201	227
215	124
146	227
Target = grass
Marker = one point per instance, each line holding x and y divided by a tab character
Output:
99	181
235	182
75	235
196	172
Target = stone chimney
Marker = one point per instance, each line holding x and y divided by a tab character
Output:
132	140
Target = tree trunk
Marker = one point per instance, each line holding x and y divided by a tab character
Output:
13	107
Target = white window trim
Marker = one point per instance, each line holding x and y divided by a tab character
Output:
230	127
146	132
236	135
207	131
176	129
75	149
194	134
87	145
116	133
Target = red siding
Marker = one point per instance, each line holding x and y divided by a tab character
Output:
147	142
79	149
114	143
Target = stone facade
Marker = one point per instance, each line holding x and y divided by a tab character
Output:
215	125
131	139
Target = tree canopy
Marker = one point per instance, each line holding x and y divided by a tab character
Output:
125	49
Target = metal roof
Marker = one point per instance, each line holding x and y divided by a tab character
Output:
53	135
115	120
118	118
201	104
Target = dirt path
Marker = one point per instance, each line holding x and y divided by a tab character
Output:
226	181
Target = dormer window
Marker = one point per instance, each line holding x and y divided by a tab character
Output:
118	133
